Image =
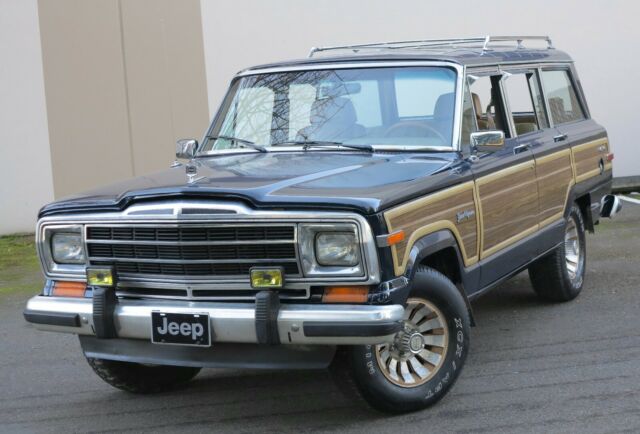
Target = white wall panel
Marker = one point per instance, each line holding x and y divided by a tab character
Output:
601	36
25	173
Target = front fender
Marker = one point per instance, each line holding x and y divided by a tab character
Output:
434	243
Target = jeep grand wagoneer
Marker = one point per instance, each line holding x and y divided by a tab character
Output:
341	210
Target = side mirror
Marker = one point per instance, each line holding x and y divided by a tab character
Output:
186	148
487	141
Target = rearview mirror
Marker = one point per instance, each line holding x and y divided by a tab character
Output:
186	148
487	141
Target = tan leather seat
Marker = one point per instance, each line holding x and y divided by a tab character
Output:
483	124
525	127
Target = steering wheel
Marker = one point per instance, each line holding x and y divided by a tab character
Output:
413	124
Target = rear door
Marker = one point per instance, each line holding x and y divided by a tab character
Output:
569	114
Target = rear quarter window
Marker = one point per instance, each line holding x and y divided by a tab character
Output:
561	96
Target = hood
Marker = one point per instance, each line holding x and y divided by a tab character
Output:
319	179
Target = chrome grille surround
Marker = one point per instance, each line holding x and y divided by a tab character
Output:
151	219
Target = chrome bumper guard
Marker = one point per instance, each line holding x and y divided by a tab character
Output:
323	324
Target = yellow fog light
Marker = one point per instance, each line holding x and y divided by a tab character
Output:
267	277
97	276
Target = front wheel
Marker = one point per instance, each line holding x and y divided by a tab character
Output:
139	378
422	363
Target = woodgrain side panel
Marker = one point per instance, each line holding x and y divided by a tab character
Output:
434	212
509	206
587	158
555	178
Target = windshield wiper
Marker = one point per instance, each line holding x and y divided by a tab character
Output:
247	143
306	144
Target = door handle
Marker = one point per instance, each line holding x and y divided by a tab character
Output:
521	148
559	137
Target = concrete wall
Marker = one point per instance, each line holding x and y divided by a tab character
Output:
601	36
124	79
25	176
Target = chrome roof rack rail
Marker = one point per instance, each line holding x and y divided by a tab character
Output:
480	42
517	39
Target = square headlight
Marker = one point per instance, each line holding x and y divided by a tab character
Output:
337	249
330	249
67	248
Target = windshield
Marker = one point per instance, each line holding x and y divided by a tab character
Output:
409	107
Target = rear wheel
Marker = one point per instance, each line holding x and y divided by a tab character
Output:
559	276
139	378
422	363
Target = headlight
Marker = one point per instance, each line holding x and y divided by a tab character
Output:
67	248
337	249
331	250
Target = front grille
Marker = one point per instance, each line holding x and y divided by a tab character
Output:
197	252
210	253
216	234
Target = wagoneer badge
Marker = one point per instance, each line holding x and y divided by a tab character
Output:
464	215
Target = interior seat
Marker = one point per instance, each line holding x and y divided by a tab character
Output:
483	124
332	119
558	113
443	114
525	127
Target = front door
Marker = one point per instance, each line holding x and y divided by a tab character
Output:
505	182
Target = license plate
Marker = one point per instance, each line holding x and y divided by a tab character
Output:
180	329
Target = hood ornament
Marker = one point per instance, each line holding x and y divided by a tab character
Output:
192	171
186	149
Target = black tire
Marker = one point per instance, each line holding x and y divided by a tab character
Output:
137	378
550	275
358	367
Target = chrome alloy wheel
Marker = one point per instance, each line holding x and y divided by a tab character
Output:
418	351
572	251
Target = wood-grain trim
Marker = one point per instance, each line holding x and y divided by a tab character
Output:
555	174
509	205
435	212
586	159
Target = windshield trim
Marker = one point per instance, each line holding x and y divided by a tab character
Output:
457	116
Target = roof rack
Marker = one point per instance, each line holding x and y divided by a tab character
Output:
483	42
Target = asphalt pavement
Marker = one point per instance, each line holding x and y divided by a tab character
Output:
533	367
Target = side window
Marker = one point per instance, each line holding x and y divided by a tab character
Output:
468	119
521	104
538	100
486	101
563	102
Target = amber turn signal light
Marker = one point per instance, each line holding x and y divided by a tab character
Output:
387	240
68	289
345	294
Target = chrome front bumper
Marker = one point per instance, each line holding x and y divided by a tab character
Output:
323	324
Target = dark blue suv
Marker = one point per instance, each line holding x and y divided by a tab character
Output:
341	211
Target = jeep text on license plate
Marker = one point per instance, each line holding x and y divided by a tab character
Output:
180	329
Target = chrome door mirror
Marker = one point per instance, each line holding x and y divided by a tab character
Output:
186	148
487	141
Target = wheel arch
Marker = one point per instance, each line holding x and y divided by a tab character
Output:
583	200
440	250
